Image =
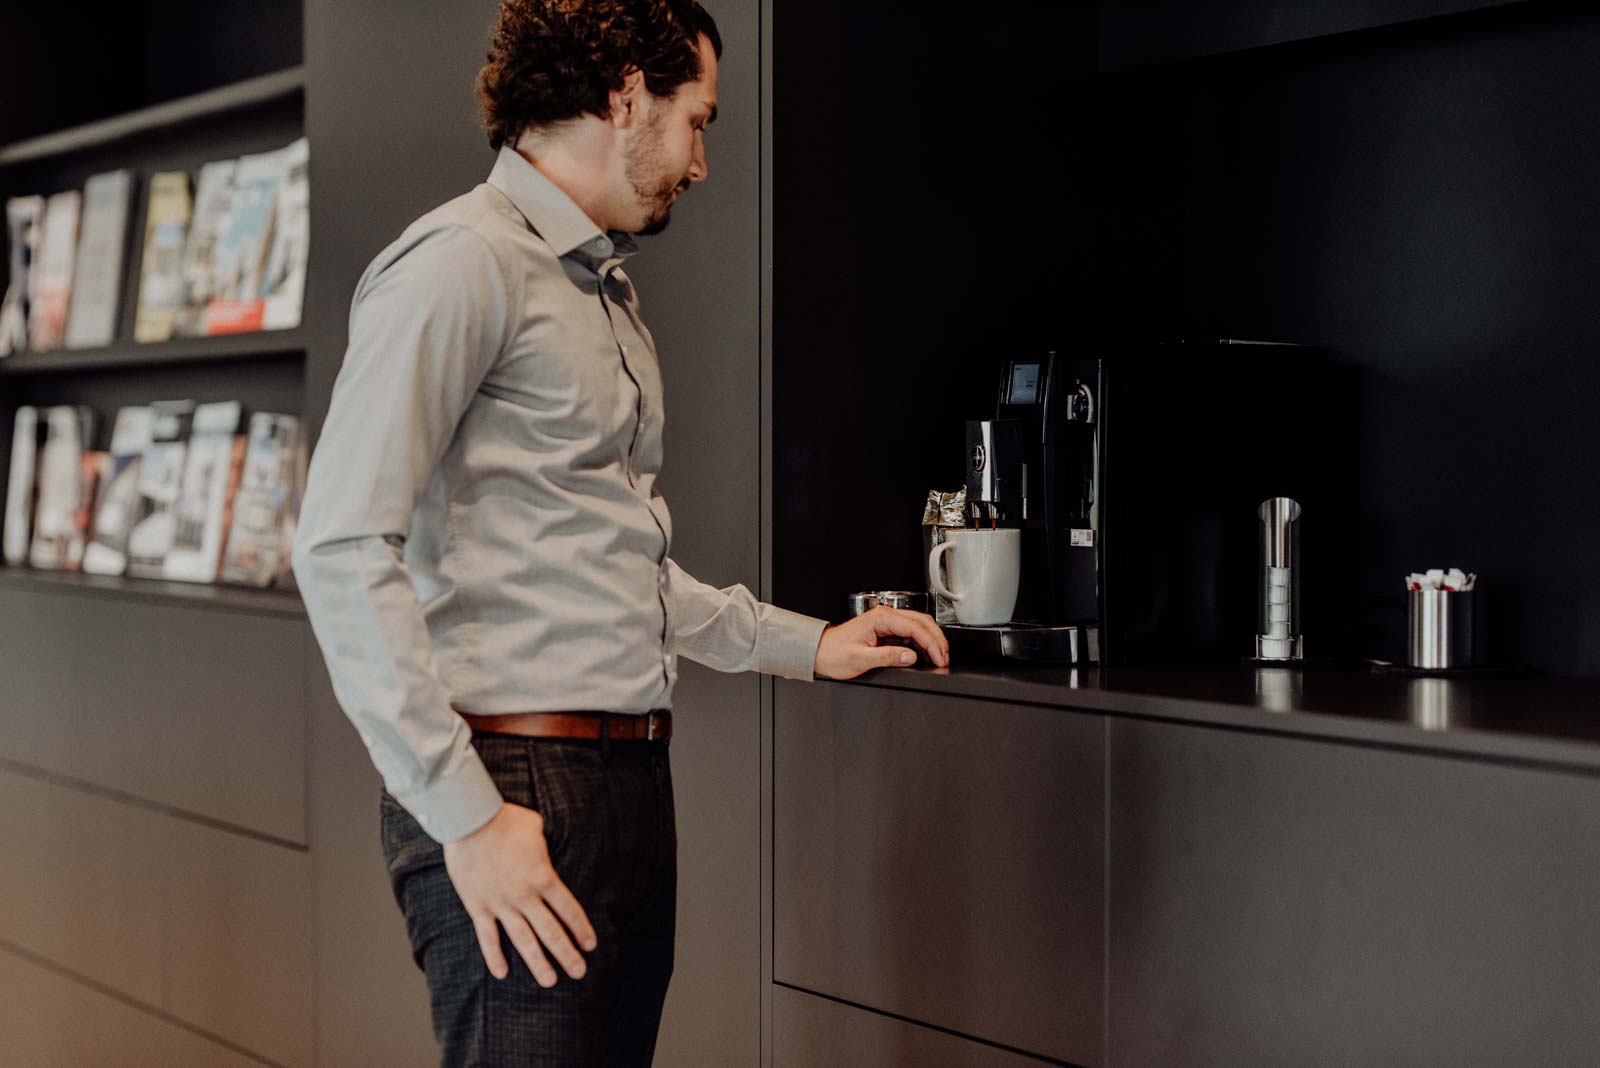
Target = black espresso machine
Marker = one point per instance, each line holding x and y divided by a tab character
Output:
1135	472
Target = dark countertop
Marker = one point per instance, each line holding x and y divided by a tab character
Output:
1528	719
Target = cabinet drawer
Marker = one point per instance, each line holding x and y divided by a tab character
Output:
808	1031
943	859
1279	901
50	1021
83	883
194	708
210	926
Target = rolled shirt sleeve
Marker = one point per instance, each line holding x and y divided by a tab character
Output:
428	321
729	630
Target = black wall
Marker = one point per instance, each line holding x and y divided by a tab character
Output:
1420	199
70	63
926	219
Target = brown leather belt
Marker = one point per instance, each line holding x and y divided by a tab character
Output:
618	726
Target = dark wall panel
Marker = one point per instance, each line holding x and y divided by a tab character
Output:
1423	205
1151	31
1416	197
699	286
927	221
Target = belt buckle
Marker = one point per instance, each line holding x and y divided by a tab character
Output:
650	726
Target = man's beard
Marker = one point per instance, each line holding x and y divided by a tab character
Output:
657	193
661	216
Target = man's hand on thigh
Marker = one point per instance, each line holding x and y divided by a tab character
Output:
503	875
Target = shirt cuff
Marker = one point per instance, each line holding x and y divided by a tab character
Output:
786	643
456	806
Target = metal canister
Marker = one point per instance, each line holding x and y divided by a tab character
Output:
1441	629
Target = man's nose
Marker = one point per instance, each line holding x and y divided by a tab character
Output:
698	169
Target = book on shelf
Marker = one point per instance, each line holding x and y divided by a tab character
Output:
237	305
96	468
167	211
300	461
20	486
283	281
57	543
210	477
24	223
97	267
160	477
117	499
213	196
50	281
255	546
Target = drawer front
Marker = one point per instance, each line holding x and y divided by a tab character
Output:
943	859
808	1031
209	926
50	1021
194	708
82	883
1279	901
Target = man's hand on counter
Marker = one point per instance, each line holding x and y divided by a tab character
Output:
857	645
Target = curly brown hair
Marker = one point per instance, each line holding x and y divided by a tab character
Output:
552	60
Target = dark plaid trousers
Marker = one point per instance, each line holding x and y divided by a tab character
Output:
609	823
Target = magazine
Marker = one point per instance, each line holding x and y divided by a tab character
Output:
161	265
300	458
97	269
283	283
20	485
210	476
24	216
237	305
254	551
50	279
116	504
96	468
57	543
160	475
212	197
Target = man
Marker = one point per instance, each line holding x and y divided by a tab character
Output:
484	553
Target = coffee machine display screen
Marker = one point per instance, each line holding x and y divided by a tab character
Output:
1024	384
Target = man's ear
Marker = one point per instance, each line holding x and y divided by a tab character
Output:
627	103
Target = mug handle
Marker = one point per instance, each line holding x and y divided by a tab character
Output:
934	569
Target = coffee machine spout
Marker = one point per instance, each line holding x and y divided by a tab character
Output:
995	470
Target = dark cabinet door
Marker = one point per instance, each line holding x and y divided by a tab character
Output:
1276	901
943	859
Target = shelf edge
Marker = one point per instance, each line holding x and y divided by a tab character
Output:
261	345
243	94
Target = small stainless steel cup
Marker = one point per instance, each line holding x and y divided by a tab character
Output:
911	600
1441	629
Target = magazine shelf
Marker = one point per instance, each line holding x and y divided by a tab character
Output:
126	355
240	96
269	602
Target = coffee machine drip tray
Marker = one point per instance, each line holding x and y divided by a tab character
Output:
1023	641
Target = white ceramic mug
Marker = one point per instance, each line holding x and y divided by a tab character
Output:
985	566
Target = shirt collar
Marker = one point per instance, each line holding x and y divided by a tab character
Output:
554	215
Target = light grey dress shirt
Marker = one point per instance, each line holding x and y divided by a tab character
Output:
482	529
